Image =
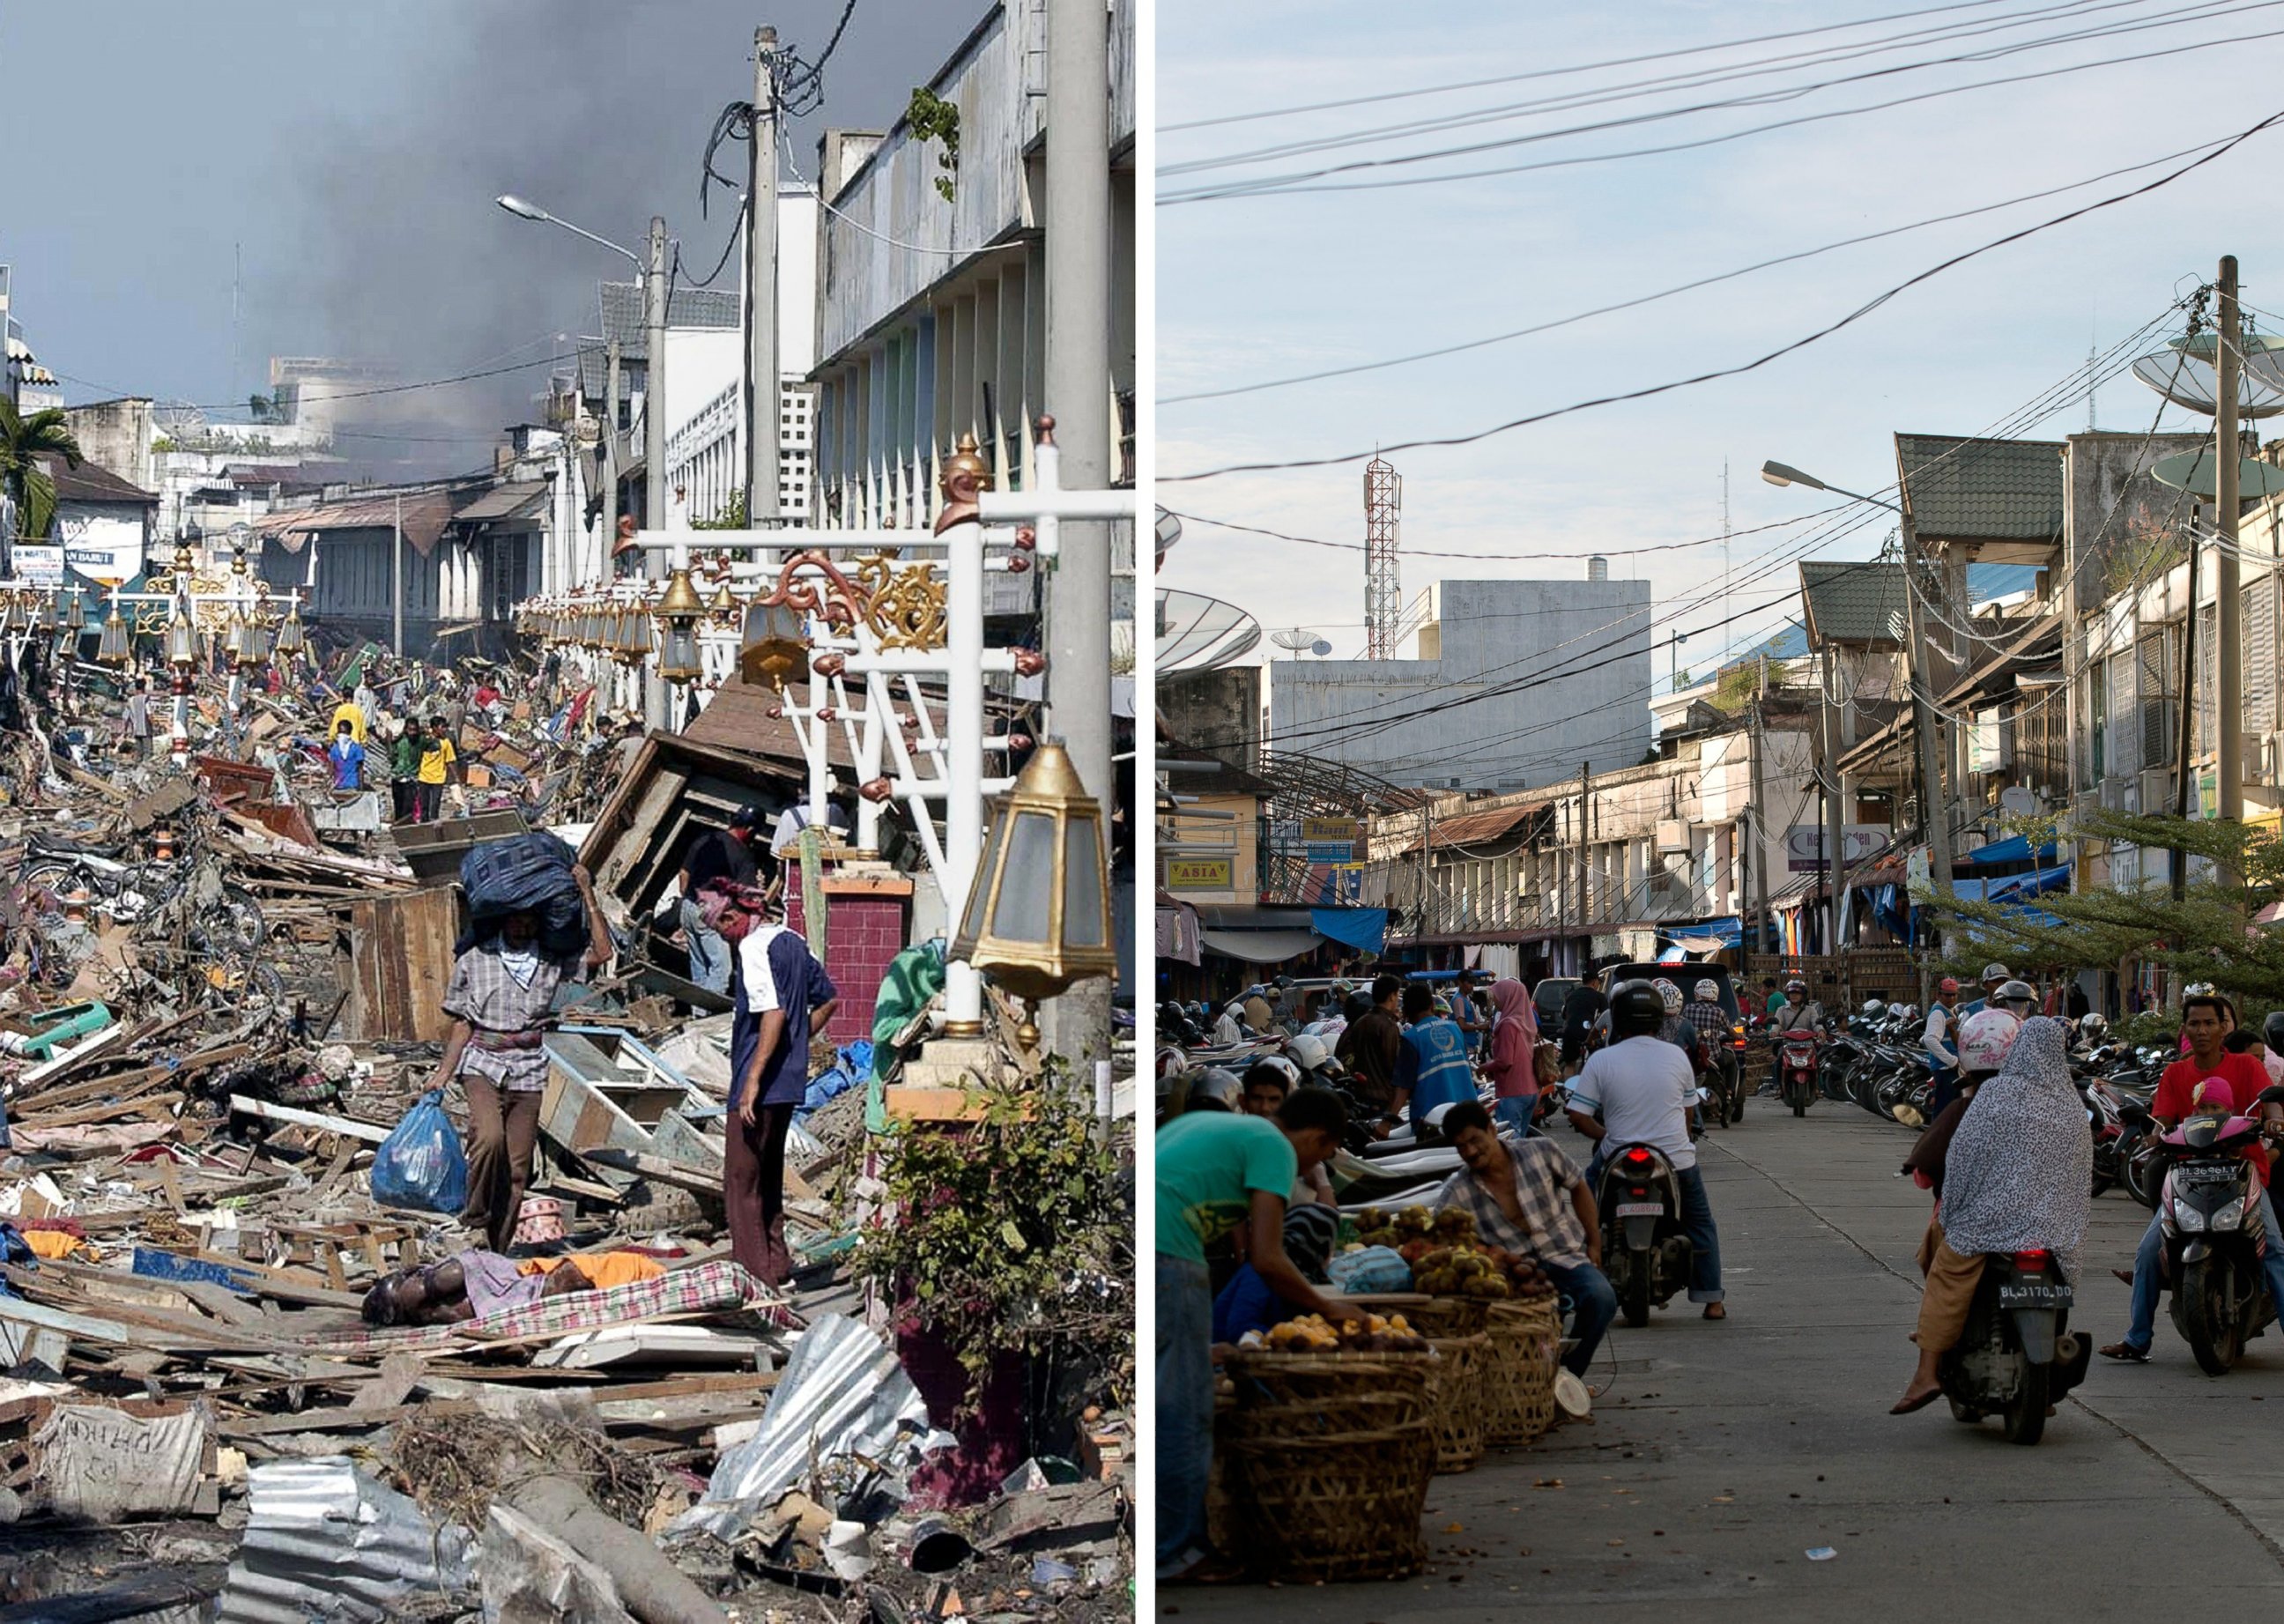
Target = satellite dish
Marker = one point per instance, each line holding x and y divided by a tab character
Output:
1197	633
178	418
2186	381
1294	640
1170	530
1321	648
2198	472
2018	801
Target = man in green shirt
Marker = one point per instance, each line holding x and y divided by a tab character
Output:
404	767
1216	1173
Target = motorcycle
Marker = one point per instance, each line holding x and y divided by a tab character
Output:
1797	1079
1645	1250
2209	1208
2018	1355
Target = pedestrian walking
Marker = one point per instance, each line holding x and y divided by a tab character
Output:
502	990
134	721
440	764
404	771
346	757
783	994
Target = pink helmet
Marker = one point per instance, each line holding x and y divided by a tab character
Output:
1984	1038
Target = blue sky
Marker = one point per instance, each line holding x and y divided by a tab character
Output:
1268	286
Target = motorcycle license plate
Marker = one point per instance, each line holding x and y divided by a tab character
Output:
1640	1209
2034	1294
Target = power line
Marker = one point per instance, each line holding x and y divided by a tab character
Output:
1549	73
1702	78
1852	316
1683	287
1486	557
1285	185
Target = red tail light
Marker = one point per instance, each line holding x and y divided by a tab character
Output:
1638	1154
2032	1262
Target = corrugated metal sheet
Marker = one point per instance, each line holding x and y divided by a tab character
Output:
842	1393
326	1541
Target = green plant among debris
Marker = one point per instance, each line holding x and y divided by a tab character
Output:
1012	1235
2208	936
933	118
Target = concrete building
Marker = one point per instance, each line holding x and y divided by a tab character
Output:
1515	684
932	309
23	380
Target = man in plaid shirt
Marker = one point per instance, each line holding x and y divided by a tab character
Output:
1525	1197
1704	1013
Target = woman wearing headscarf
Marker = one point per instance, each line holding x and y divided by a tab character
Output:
2018	1178
1513	1067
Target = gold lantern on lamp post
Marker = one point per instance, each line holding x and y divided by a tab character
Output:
678	612
776	645
1039	916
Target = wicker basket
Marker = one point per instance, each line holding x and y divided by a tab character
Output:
1339	1505
1225	1526
1518	1372
1345	1387
1449	1316
1456	1408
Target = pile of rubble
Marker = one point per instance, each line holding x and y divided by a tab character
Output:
217	998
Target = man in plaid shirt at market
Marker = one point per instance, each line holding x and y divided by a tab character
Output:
1526	1196
1704	1013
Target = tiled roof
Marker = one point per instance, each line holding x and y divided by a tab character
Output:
90	483
1855	603
1960	488
717	308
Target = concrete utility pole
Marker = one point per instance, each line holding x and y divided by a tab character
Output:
397	581
654	562
1078	394
1757	847
2186	739
1835	831
762	385
1934	808
2228	648
604	571
1585	895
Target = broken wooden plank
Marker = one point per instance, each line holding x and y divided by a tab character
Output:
372	1133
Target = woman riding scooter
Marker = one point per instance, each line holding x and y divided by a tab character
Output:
2017	1178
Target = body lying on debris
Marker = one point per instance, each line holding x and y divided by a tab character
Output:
472	1284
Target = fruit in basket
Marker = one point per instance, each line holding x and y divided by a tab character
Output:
1412	1250
1455	1224
1415	1220
1373	1218
1310	1334
1486	1285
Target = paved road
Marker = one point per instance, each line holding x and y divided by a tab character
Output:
1721	1452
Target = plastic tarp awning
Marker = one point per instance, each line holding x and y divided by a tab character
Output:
2019	887
2014	848
1260	946
1365	929
1709	936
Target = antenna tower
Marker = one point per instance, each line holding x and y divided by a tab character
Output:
1383	581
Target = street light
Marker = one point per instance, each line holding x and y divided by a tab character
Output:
1037	918
523	210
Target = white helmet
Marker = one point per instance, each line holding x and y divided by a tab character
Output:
1984	1038
1873	1009
1708	991
1309	1052
1172	1061
1672	994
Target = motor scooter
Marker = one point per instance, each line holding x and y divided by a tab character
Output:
1646	1252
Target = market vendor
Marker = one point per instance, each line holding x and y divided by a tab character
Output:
502	991
1526	1196
1217	1172
475	1283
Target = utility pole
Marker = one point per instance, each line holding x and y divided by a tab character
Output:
396	582
1835	822
762	385
1756	870
1077	587
654	560
2186	739
1935	811
604	569
1586	929
2228	648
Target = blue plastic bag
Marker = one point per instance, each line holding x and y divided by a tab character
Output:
1375	1269
420	1163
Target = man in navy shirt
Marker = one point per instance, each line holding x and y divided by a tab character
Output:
782	994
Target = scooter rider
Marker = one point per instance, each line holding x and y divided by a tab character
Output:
2205	1018
1705	1013
1639	1089
1800	1013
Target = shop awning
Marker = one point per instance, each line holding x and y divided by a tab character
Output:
1178	930
2019	887
1260	946
2014	848
1708	936
1365	929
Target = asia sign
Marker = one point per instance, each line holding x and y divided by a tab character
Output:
1200	873
1804	845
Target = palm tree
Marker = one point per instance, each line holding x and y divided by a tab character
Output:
23	442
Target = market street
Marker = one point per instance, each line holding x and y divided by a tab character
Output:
1721	1454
